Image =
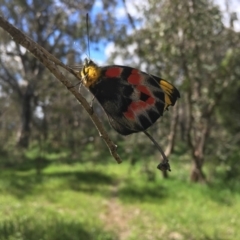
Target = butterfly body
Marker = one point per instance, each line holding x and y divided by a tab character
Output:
132	99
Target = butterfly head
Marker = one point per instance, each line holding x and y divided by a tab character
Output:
90	73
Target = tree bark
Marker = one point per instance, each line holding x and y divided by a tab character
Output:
26	117
197	174
52	63
173	131
171	136
198	148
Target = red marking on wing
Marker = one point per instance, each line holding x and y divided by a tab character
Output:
129	114
113	72
144	89
134	108
135	77
151	101
137	107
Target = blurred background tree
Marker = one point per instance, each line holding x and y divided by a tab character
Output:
188	42
184	41
31	99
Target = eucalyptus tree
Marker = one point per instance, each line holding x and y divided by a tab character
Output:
60	28
188	42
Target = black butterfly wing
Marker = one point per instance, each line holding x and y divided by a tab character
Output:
133	100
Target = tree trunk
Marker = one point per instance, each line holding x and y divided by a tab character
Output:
26	117
171	137
197	174
172	133
164	174
44	123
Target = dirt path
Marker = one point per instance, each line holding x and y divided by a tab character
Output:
116	217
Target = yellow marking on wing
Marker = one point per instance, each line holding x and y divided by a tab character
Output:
168	89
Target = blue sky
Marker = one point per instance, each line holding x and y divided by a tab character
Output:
101	56
105	50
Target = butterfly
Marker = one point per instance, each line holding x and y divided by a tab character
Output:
133	100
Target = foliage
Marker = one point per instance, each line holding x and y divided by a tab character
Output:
189	43
63	185
35	99
109	201
186	41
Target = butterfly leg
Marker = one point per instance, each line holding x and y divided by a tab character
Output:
164	165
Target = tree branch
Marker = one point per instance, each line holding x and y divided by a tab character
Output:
51	62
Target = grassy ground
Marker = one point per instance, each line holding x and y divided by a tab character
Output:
106	202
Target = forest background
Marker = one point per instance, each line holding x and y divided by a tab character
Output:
57	173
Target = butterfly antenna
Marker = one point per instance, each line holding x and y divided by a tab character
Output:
164	165
88	41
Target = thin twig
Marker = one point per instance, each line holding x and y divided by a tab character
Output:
51	62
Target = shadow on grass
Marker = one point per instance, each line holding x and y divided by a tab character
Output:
222	192
25	164
90	177
146	193
93	182
22	185
49	229
87	181
204	236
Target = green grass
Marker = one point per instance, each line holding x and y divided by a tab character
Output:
110	201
